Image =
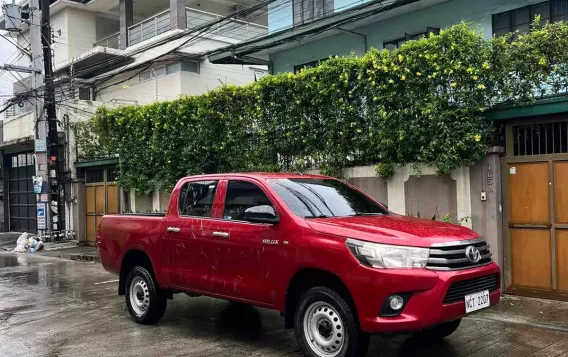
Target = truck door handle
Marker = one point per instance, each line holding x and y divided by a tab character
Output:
173	229
221	235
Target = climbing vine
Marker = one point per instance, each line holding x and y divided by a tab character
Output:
424	102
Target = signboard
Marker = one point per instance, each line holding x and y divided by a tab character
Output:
41	217
40	145
38	182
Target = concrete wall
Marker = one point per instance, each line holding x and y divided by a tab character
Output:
106	27
418	188
487	216
431	197
163	88
211	76
440	16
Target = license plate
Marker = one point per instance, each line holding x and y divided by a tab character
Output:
476	301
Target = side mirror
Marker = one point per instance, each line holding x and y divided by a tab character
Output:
261	214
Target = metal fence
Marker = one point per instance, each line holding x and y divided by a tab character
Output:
112	41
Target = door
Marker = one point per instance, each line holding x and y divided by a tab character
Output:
537	171
102	196
189	236
245	248
21	197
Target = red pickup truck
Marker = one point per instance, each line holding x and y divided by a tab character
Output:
336	264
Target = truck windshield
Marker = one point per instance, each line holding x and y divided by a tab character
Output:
321	198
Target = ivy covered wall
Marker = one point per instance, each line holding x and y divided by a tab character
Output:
424	102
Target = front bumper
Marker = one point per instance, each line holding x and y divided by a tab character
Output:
370	287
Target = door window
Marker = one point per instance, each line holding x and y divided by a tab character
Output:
242	195
196	198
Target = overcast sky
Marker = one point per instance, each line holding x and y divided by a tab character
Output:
6	79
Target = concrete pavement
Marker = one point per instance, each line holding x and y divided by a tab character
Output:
55	307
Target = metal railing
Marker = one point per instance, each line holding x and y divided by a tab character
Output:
149	28
112	41
237	30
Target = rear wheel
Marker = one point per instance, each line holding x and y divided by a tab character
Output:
440	331
145	301
326	326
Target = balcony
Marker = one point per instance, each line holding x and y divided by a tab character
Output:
149	28
112	41
237	30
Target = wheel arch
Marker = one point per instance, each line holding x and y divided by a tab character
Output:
133	258
307	278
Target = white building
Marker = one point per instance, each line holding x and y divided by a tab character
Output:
115	52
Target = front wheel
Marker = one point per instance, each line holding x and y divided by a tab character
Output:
145	301
326	326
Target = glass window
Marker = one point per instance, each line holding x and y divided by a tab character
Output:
521	19
309	10
311	198
559	10
242	195
196	198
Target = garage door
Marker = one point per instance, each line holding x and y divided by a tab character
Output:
537	177
21	197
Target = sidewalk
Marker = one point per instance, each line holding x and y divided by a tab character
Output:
78	252
530	312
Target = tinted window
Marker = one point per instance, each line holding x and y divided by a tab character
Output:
196	198
324	198
240	196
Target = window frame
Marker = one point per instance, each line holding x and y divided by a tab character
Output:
152	73
189	182
267	193
314	17
307	65
410	37
530	8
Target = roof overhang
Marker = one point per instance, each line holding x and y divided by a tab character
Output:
114	58
544	106
258	50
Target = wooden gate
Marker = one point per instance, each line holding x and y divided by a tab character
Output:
537	209
101	197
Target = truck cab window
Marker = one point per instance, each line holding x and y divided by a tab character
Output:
196	198
242	195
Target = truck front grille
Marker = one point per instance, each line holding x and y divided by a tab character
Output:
460	289
459	255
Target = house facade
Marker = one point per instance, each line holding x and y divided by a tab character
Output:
113	53
516	196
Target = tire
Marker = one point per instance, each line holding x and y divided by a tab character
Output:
440	331
145	301
326	326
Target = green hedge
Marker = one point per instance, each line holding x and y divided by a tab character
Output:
424	102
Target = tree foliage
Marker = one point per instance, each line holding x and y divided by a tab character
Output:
424	102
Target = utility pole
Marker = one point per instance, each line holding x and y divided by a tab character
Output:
40	143
51	116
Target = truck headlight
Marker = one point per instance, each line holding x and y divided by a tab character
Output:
386	256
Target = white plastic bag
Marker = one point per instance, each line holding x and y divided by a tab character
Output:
22	243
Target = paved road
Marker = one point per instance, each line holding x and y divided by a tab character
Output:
55	307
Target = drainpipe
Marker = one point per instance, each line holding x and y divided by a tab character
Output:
357	34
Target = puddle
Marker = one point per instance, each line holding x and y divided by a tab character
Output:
10	261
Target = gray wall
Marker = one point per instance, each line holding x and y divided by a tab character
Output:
487	217
373	186
431	197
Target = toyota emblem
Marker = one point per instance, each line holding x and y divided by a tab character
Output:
472	254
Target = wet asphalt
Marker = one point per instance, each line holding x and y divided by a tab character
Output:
55	307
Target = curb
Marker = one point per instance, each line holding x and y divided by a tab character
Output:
85	258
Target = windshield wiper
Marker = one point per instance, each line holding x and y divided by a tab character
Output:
366	214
